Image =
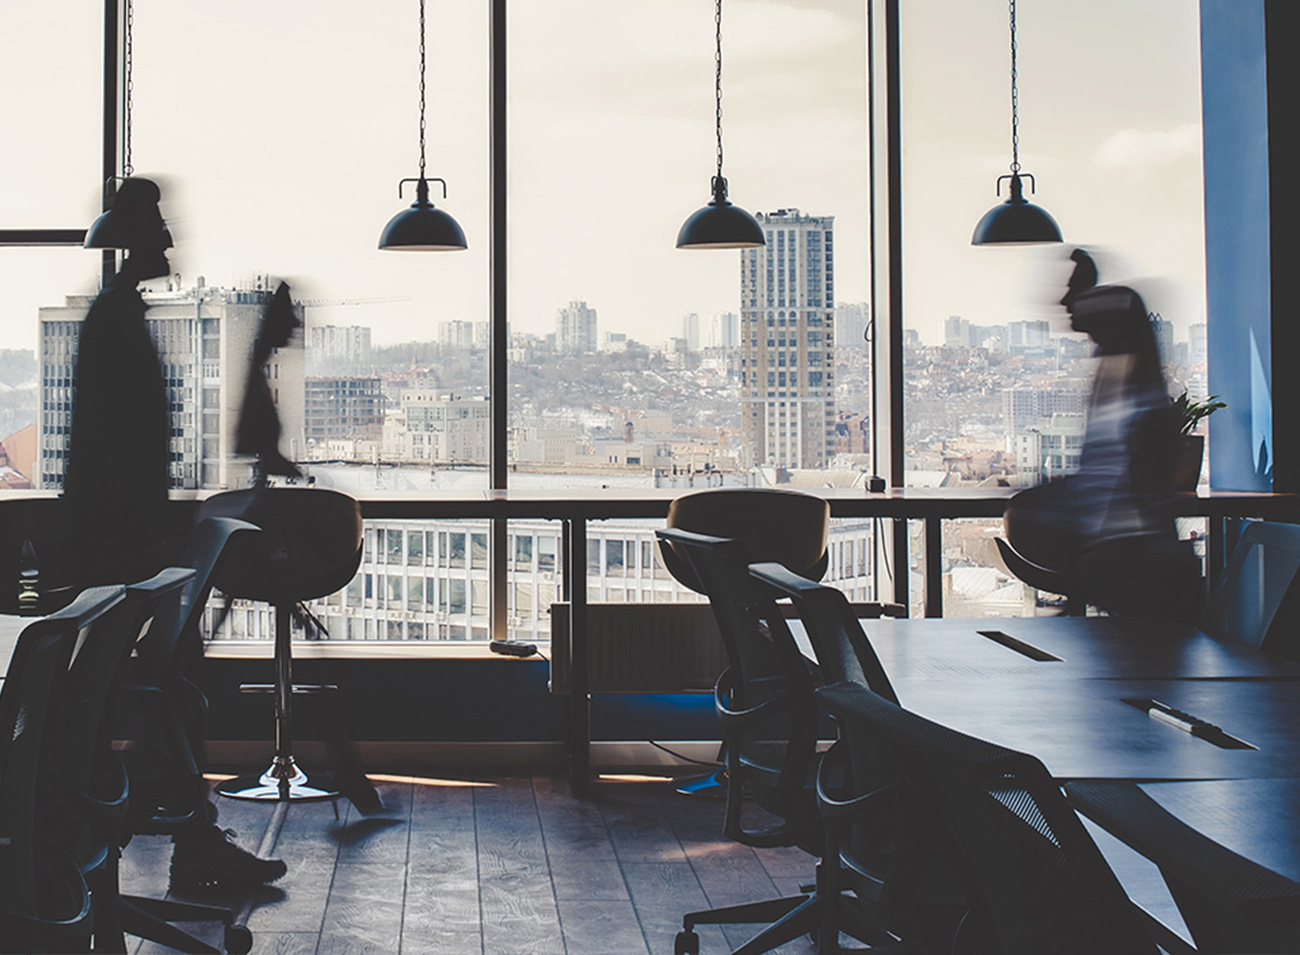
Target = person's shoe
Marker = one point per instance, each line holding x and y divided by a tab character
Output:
210	859
358	790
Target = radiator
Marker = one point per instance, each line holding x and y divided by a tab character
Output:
641	648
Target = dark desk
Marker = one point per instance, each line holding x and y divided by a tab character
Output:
1070	711
1082	647
1083	728
1258	819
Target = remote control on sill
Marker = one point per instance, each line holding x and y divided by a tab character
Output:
512	648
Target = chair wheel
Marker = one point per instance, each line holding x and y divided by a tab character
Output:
239	940
686	943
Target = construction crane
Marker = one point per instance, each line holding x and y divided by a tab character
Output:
364	300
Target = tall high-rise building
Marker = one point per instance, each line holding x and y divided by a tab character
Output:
1196	352
1028	336
691	330
1164	333
341	344
204	337
851	320
787	296
575	329
956	332
463	335
724	330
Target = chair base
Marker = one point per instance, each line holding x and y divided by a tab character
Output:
284	781
816	913
712	784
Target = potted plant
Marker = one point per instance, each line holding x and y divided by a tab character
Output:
1188	412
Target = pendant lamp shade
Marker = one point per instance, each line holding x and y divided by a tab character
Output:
422	227
720	225
132	218
1016	221
106	232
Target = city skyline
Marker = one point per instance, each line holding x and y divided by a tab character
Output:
1119	171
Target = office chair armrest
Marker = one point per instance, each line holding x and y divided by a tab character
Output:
56	867
835	810
736	719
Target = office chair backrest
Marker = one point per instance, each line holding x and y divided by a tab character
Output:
1033	879
771	524
176	620
1256	600
844	652
80	724
772	751
39	662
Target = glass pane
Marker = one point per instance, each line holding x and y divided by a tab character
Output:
996	384
547	548
634	363
391	393
37	345
51	67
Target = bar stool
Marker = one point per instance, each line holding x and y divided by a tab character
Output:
310	547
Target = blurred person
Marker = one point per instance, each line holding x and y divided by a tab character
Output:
115	489
258	430
115	486
1127	558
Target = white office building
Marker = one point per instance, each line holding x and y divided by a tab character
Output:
204	338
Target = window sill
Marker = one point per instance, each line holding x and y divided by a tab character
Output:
362	650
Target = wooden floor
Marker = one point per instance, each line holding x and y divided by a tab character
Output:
497	866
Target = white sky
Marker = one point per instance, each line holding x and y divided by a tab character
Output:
280	130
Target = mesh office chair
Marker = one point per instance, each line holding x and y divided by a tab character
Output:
44	903
897	882
169	790
89	789
769	718
771	524
1032	879
1257	601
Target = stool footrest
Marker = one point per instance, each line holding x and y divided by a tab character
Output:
298	688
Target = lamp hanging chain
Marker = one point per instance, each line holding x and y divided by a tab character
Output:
422	63
717	58
1015	98
127	168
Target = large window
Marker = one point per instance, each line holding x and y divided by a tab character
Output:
995	386
633	361
279	133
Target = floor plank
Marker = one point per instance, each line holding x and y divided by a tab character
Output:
601	928
364	911
493	866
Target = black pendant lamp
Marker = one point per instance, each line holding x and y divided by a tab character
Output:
720	225
109	231
422	228
1016	221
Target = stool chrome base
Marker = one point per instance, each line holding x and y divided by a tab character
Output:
283	781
